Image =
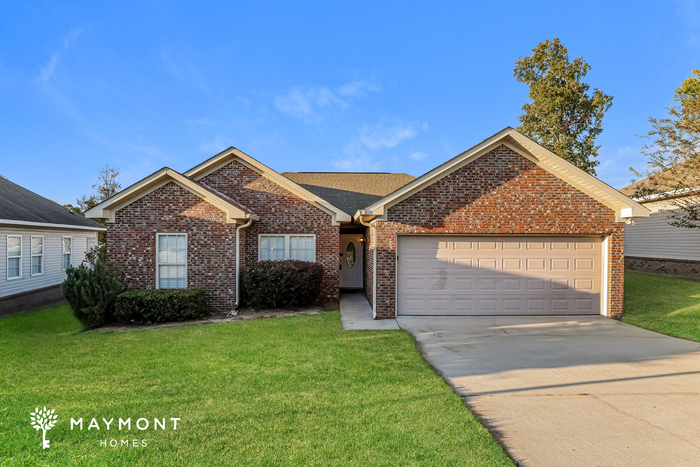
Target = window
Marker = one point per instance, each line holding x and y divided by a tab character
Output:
290	246
171	268
14	257
90	243
37	255
67	252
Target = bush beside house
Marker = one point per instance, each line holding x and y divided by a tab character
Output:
161	306
285	284
91	292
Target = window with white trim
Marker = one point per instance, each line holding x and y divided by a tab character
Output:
288	246
37	255
67	252
14	257
90	243
171	259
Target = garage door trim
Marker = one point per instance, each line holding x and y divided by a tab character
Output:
604	275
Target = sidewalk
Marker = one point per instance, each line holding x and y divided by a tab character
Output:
356	314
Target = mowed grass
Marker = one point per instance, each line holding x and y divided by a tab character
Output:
668	305
277	391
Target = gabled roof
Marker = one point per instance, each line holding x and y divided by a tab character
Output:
350	191
683	181
230	154
235	211
20	206
623	206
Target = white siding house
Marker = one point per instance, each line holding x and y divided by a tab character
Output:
653	245
38	240
51	270
653	237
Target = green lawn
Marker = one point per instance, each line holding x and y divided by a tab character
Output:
664	304
277	391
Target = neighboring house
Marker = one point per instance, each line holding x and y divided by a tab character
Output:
506	227
39	239
655	246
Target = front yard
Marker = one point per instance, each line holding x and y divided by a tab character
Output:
280	391
667	305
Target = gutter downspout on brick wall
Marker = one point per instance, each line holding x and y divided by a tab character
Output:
374	260
238	263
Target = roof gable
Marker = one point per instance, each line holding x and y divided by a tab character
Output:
235	212
623	206
230	154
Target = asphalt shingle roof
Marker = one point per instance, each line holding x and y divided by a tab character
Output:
350	191
20	204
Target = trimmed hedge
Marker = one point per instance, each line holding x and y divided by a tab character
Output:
283	284
161	306
91	292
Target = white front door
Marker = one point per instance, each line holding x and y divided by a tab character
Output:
351	261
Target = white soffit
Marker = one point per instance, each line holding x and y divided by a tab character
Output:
224	157
107	208
623	206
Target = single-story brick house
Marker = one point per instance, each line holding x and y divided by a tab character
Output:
506	227
39	239
652	244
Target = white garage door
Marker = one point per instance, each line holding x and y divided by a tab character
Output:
506	275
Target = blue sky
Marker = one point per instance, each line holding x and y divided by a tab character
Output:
314	86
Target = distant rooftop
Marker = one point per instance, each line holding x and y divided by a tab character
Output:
19	204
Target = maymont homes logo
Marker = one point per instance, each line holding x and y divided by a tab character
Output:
45	419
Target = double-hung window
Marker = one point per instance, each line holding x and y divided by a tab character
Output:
90	244
37	255
67	252
288	246
14	257
171	267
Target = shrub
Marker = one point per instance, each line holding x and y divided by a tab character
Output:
91	292
273	284
98	252
161	306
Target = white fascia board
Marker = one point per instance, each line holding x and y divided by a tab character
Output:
378	207
107	208
96	212
580	179
49	225
542	157
224	157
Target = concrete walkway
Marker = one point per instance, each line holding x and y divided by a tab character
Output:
572	391
356	313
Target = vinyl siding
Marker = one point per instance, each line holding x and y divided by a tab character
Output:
653	237
53	256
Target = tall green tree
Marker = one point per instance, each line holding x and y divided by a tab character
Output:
673	155
561	115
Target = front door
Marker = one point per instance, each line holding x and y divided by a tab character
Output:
351	261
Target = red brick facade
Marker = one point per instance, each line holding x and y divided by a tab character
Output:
498	193
280	212
131	242
211	242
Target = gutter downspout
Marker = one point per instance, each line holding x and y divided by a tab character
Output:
238	262
374	261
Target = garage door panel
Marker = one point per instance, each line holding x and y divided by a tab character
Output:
457	275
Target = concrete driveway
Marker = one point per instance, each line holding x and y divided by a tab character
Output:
572	391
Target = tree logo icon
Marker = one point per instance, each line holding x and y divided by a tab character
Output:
43	420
